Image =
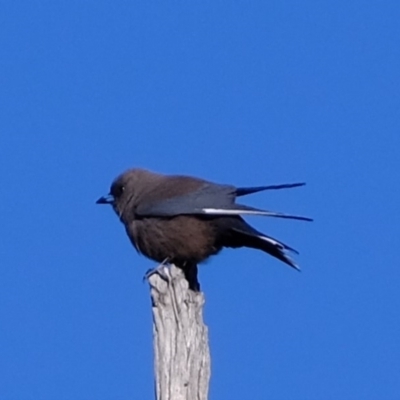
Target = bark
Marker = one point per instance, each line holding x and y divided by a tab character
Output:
181	351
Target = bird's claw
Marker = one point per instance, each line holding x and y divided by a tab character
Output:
162	270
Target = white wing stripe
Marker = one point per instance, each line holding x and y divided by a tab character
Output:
218	211
240	211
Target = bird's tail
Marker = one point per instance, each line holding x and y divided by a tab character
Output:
241	234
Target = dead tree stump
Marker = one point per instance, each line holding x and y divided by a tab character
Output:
180	338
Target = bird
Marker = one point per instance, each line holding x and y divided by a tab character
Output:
183	220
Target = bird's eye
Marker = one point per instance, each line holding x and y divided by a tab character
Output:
117	190
120	190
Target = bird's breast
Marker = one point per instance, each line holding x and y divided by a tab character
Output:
181	239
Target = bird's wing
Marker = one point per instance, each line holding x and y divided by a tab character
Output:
249	190
207	195
240	209
209	199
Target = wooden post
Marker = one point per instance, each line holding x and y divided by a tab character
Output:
181	351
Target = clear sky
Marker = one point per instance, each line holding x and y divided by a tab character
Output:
247	93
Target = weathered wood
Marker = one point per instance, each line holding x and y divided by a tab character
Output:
181	351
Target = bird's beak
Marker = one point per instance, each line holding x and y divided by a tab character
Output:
109	199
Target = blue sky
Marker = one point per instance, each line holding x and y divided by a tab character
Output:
247	93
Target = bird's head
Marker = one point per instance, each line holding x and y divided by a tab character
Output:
128	190
124	193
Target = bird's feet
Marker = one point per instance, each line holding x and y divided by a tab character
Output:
162	270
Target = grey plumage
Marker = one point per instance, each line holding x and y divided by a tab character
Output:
186	219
